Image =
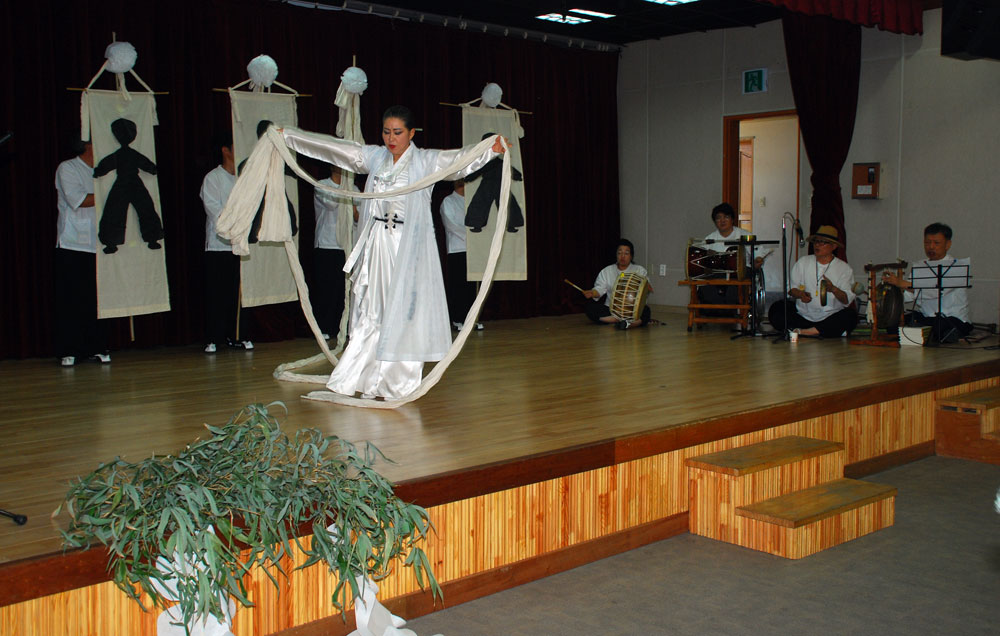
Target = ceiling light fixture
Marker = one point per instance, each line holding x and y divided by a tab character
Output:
563	19
593	14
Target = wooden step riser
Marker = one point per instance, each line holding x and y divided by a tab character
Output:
714	497
958	434
796	543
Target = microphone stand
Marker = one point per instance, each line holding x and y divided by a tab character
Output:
784	281
18	519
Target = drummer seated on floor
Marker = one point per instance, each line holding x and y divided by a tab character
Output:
821	284
724	218
600	312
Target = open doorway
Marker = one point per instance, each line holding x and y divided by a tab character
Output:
761	163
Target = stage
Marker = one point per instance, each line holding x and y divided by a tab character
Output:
527	402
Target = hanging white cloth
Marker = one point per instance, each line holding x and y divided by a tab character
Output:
132	281
264	279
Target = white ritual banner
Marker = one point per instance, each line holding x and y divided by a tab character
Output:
265	276
132	280
482	191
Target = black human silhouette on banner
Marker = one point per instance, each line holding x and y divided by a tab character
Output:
128	188
488	193
255	224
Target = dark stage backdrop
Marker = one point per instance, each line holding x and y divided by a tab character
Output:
189	47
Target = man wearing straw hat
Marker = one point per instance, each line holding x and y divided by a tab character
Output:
821	284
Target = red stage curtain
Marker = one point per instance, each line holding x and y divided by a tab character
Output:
896	16
824	65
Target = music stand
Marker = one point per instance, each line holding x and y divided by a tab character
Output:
940	277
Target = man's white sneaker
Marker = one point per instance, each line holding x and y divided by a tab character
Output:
247	345
210	347
103	358
68	361
326	336
479	326
457	325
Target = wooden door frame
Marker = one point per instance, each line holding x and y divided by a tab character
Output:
731	155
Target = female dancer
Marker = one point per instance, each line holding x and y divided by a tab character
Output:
399	314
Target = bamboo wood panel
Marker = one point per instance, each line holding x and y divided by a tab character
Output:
716	496
796	543
491	531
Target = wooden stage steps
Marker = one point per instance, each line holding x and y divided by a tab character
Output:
967	425
786	496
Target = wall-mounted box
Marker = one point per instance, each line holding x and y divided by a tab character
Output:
864	181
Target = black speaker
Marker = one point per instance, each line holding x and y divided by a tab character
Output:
970	29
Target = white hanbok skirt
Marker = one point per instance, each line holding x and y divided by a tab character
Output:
358	371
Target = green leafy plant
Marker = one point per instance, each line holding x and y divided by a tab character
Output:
260	491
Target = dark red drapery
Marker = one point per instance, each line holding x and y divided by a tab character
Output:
824	65
189	47
895	16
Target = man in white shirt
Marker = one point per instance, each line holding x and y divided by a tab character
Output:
222	267
79	334
821	285
327	295
461	292
604	286
724	218
950	321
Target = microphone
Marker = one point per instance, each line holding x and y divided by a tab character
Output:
798	230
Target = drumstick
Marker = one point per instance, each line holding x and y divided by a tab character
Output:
567	281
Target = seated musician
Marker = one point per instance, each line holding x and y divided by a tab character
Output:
821	284
600	312
724	218
952	322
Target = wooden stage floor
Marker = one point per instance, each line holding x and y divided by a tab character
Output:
523	396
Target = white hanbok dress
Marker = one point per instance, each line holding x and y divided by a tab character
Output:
399	312
359	370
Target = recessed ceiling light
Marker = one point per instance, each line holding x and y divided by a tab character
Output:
564	19
593	14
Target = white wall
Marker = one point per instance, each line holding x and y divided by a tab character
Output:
932	122
775	162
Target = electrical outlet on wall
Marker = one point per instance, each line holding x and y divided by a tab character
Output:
663	269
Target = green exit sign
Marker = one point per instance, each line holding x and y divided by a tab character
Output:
755	81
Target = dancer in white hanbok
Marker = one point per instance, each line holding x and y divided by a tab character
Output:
399	313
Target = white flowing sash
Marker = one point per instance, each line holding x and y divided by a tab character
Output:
262	177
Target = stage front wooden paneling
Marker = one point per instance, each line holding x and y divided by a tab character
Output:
549	443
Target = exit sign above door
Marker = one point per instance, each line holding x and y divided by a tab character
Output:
755	81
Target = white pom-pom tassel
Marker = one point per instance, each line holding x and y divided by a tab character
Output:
263	71
491	95
121	57
355	81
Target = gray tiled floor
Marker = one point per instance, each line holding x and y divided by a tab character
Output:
936	571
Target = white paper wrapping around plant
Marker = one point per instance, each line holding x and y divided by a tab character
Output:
133	280
264	275
121	57
268	160
492	94
170	621
263	70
